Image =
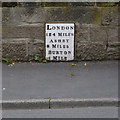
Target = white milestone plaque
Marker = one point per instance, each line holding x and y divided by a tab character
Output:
59	39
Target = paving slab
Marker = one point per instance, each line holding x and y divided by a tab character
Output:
81	80
91	112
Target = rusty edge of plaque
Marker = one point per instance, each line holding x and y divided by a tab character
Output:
44	50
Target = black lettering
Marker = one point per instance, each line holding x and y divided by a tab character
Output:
61	58
49	34
58	27
53	45
49	52
65	58
59	34
53	28
67	46
71	27
48	46
67	28
61	52
63	40
53	34
57	52
67	40
59	40
54	57
69	52
62	28
65	52
64	34
53	52
51	41
55	40
48	27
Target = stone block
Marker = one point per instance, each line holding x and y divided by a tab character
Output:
9	4
109	16
14	51
118	34
0	51
113	51
91	51
23	32
106	4
113	35
81	35
98	35
0	4
35	15
35	48
82	15
55	4
119	14
29	4
22	15
82	4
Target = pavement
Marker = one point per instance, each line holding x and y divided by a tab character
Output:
68	83
94	112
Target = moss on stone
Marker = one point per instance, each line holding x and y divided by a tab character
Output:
97	18
107	4
108	10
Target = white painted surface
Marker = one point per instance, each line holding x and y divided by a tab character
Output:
59	39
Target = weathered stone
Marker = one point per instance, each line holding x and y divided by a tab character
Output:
80	15
119	14
26	15
9	4
0	51
29	4
55	4
91	51
16	40
98	35
119	34
35	48
106	4
82	4
0	4
22	15
14	51
109	16
112	33
23	32
113	51
81	35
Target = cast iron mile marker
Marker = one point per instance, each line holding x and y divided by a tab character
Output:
59	39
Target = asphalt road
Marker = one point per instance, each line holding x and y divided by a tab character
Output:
60	80
99	112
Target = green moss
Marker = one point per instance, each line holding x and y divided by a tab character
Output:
97	16
106	4
102	11
112	10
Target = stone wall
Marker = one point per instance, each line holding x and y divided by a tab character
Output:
96	29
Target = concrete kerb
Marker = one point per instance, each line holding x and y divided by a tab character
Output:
58	103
